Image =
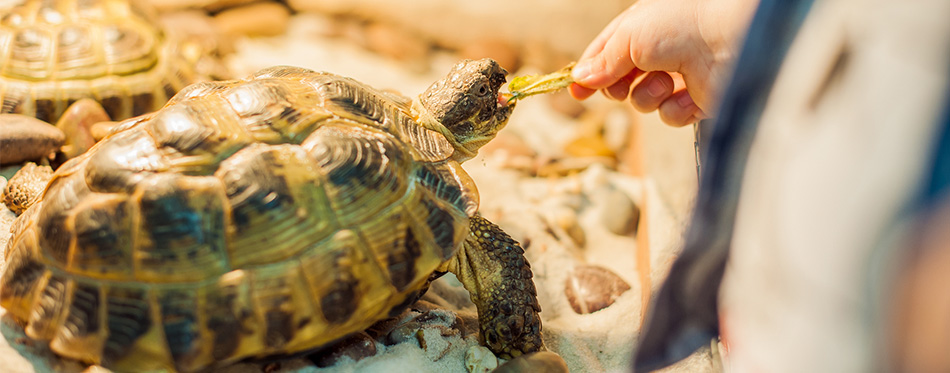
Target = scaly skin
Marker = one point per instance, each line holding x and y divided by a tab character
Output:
492	267
26	186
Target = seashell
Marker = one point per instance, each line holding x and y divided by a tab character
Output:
592	288
544	361
479	359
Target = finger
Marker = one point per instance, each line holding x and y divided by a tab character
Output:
619	90
655	88
607	66
580	92
598	43
679	109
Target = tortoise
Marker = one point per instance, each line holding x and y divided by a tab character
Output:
55	53
269	216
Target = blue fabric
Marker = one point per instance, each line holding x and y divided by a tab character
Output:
684	314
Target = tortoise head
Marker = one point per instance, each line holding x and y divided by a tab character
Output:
467	105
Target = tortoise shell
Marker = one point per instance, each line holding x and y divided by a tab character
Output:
55	52
253	217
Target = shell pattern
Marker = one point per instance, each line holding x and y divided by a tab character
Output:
54	52
251	217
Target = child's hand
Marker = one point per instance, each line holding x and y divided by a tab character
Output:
685	49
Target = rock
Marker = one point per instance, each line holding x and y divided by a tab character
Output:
574	165
479	359
356	347
543	361
26	186
257	19
24	138
77	122
456	24
592	288
618	213
201	42
565	218
397	43
210	5
500	50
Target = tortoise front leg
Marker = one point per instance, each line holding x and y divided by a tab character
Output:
492	267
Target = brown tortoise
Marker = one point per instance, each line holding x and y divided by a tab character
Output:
269	215
112	53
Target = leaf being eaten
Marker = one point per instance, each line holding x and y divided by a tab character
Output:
524	86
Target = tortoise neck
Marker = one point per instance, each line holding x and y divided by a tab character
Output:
423	116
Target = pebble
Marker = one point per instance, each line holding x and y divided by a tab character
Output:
592	288
77	122
356	347
565	218
257	19
618	213
479	359
24	138
397	43
543	361
201	42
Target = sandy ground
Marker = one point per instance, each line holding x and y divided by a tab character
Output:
542	212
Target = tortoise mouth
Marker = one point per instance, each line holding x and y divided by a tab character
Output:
505	106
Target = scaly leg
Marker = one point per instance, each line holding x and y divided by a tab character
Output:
492	267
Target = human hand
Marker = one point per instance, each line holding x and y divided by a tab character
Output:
683	49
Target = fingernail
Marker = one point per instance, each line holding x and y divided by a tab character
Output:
581	71
684	101
655	88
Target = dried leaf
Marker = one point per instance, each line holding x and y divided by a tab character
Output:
524	86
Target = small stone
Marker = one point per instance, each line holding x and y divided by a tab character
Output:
565	218
543	361
257	19
24	138
592	288
402	333
618	213
77	122
479	359
500	50
26	186
356	347
397	43
200	42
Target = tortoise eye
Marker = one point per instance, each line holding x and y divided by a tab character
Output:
482	89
